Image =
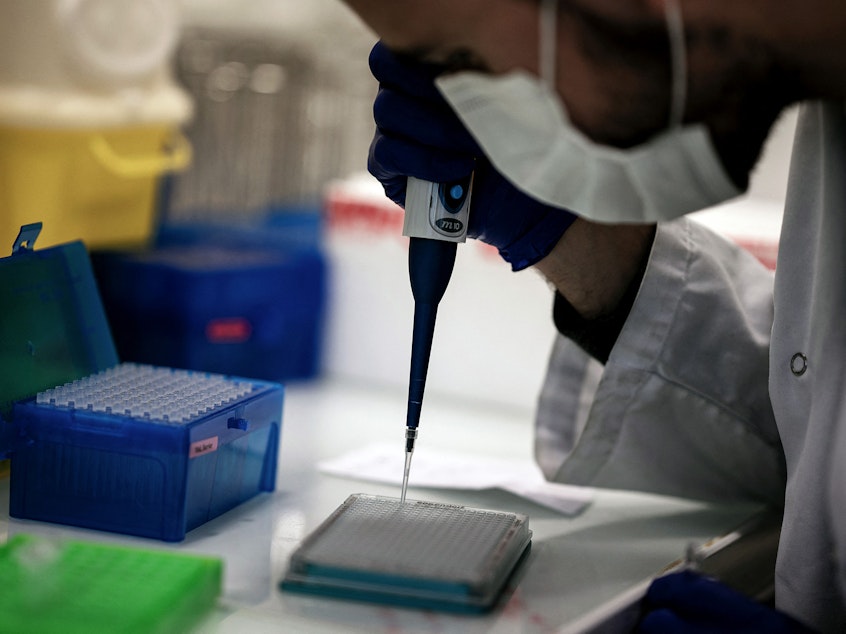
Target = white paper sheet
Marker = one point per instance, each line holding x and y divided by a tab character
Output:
384	463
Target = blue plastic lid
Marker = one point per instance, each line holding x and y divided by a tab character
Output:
53	328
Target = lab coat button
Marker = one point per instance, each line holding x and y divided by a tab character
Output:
798	364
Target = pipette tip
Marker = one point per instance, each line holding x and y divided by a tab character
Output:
410	438
408	455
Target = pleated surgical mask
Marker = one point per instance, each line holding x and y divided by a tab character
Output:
521	124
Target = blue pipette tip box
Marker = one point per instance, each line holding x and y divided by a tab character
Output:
127	448
415	554
144	450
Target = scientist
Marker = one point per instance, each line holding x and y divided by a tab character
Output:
719	382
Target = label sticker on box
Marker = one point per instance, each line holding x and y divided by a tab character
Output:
202	447
229	330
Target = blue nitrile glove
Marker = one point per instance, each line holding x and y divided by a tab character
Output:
689	603
418	134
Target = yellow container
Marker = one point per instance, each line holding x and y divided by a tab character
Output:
99	185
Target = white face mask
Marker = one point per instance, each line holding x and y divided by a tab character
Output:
521	124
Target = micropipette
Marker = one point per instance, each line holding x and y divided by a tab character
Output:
436	216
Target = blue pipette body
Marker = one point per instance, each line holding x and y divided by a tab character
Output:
436	220
430	264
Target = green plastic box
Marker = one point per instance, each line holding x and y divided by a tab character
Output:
72	587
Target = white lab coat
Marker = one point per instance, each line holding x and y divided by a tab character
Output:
698	397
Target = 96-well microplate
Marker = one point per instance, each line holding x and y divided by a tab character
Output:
414	553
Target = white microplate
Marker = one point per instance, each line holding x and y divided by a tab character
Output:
413	549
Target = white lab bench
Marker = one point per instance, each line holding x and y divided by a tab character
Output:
576	564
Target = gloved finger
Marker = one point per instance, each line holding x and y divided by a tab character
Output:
523	229
697	598
389	157
403	74
430	124
663	621
691	593
395	188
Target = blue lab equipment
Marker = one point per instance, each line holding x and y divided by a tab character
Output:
436	219
142	450
230	308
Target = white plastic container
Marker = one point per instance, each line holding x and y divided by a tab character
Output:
100	45
89	117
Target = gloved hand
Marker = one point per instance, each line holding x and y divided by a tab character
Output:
690	603
417	134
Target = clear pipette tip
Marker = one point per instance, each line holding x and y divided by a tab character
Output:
405	475
410	437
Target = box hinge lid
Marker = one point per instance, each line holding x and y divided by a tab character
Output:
53	328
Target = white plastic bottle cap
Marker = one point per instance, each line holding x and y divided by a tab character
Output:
114	43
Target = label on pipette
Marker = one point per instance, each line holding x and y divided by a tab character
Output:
437	210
